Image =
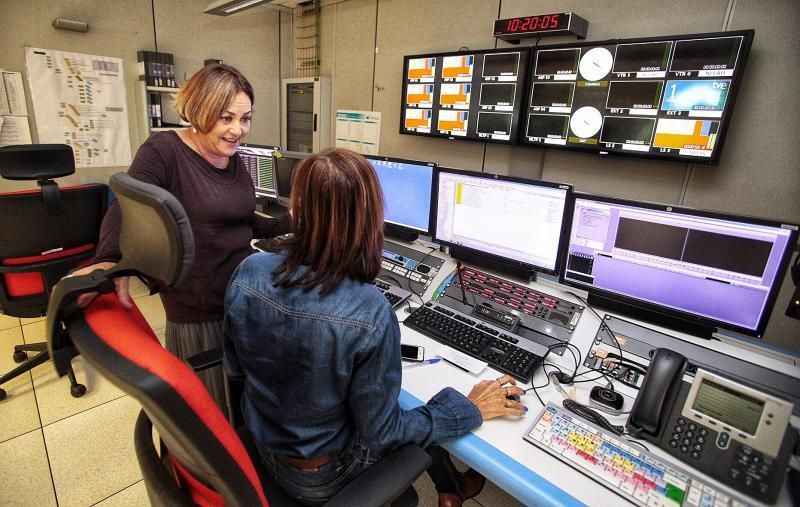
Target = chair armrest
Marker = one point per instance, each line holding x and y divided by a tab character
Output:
385	480
206	359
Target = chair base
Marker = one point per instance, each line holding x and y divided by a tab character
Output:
27	364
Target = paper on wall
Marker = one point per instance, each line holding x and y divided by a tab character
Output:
79	100
15	93
359	131
4	109
14	130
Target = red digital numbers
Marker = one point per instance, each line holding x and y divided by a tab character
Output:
532	23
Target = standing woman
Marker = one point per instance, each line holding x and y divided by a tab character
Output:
200	166
319	347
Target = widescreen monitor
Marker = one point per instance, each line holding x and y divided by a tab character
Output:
668	97
407	187
258	162
512	220
285	162
470	95
683	268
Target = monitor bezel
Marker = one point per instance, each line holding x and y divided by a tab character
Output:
514	263
392	226
524	59
671	317
725	120
296	155
263	191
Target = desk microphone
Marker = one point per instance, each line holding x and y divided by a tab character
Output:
459	267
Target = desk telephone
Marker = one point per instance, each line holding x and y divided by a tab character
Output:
731	431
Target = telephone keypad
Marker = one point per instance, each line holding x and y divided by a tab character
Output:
755	467
688	438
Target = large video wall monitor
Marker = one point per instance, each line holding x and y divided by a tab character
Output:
258	162
663	97
683	268
474	95
513	221
407	188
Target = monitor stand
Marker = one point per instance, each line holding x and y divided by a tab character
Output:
658	318
273	208
491	263
401	234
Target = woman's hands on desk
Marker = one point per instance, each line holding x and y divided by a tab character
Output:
121	284
498	397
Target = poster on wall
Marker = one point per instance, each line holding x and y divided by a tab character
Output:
79	100
359	131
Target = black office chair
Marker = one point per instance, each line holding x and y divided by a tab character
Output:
203	460
44	234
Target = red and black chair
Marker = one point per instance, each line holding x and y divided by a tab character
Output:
44	233
203	460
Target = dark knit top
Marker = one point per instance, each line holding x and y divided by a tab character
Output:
220	204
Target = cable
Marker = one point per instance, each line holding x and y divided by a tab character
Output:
592	416
603	324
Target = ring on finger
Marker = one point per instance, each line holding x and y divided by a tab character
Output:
499	380
509	403
508	391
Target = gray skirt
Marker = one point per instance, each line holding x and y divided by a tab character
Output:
186	340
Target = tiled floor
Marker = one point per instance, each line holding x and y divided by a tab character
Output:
56	450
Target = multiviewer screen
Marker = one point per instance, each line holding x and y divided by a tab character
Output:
406	189
723	270
258	162
520	221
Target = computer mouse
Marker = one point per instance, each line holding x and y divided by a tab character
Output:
423	268
514	397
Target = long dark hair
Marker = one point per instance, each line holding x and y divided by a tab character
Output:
337	216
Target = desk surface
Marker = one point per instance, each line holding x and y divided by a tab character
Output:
497	449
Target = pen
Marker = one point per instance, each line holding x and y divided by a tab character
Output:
422	363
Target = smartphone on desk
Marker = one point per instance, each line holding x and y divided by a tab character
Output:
412	352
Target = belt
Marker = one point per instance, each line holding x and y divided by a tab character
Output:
307	464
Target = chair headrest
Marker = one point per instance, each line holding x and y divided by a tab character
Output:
156	241
36	161
156	238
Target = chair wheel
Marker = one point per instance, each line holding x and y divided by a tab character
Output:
20	356
2	394
77	390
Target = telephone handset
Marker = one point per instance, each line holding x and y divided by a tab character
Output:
658	392
723	427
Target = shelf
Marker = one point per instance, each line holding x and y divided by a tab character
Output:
167	89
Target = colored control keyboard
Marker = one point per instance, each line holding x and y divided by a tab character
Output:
503	351
394	294
637	475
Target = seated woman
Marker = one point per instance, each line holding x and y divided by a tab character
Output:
319	347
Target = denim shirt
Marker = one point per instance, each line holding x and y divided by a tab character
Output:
321	371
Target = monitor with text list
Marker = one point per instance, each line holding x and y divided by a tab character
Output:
258	163
515	222
683	268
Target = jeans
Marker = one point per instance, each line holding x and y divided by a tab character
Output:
318	486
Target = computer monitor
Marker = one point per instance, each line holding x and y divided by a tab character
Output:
258	162
510	223
407	189
285	162
683	268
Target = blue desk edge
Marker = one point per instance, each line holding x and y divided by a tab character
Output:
514	478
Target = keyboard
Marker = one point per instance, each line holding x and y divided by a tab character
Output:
394	294
538	311
635	474
504	351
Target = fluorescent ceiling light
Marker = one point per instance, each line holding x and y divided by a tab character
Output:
228	7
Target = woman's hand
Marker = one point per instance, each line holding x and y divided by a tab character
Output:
121	284
498	397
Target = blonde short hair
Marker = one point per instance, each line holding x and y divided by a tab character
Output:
206	96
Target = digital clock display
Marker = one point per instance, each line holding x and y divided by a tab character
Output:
532	24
